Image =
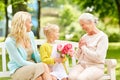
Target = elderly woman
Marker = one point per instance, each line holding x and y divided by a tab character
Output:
92	51
24	58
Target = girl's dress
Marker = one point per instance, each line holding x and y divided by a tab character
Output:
58	70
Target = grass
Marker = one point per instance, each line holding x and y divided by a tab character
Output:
113	53
2	39
114	50
5	78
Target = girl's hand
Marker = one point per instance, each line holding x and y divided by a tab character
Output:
58	60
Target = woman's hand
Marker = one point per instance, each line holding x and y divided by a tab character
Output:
82	42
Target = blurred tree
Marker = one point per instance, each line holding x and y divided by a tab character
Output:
6	16
19	5
4	13
118	9
54	3
39	12
67	16
2	9
22	5
105	8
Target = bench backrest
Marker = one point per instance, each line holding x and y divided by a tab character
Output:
111	63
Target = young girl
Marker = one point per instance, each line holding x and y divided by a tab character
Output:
49	54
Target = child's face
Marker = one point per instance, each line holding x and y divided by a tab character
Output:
56	34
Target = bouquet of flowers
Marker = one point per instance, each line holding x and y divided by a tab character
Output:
65	50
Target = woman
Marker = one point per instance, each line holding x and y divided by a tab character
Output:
24	58
92	51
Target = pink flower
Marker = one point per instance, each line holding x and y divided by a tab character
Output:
71	51
69	46
59	47
65	50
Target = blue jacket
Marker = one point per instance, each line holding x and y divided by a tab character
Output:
18	55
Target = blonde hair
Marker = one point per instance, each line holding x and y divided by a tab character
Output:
50	28
88	17
18	27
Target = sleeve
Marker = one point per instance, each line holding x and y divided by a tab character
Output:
35	55
45	55
100	52
15	55
78	53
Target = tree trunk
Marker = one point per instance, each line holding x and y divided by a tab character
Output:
39	12
6	17
118	7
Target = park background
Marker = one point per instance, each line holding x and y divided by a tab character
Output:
65	13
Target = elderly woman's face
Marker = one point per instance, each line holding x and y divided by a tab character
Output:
28	24
86	25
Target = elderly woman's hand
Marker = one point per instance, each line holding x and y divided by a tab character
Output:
82	42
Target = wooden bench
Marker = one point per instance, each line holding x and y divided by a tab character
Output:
109	63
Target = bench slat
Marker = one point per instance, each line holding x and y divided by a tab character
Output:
5	74
106	76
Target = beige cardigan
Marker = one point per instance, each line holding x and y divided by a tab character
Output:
94	52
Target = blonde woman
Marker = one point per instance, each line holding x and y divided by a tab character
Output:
24	58
49	54
92	51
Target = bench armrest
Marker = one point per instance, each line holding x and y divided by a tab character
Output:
111	65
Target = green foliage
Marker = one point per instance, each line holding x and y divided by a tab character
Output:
107	8
75	29
73	32
2	10
67	16
62	36
19	5
68	22
104	8
75	38
114	37
53	3
113	50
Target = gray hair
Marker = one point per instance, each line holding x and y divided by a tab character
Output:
88	17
